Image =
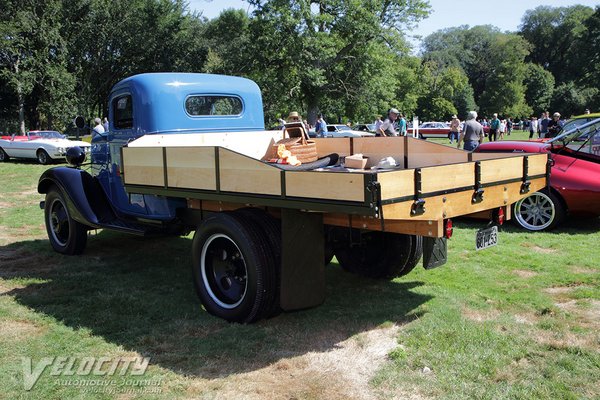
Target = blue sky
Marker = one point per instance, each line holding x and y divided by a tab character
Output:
505	14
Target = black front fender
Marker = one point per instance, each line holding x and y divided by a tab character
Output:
83	194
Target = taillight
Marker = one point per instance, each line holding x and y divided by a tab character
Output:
498	216
448	230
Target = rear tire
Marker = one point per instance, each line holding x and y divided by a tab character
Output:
66	235
3	156
271	227
542	210
233	269
381	255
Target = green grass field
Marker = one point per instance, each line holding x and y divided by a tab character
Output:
517	321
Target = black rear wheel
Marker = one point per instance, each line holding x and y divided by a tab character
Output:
234	272
381	254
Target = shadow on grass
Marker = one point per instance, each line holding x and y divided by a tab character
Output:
138	293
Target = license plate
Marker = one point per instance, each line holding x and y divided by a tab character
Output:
486	238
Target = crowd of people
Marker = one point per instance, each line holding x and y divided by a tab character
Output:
470	133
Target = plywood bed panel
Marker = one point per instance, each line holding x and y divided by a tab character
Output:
242	174
191	168
144	166
325	185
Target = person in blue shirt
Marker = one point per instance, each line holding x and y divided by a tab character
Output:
401	125
321	126
494	128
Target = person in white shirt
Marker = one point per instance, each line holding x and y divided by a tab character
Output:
98	128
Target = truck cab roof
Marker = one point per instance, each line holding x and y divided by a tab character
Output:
185	102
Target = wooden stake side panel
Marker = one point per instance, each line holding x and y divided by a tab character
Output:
191	168
326	146
325	185
377	148
537	164
422	153
456	204
246	175
396	184
143	166
446	177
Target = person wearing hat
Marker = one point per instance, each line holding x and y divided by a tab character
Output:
554	125
388	128
295	117
454	129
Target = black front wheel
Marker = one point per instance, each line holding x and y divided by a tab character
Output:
66	235
3	155
43	157
234	272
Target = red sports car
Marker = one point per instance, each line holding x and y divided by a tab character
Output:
574	180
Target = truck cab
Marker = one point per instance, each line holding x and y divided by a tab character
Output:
164	103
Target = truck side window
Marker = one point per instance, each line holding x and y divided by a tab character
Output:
123	112
213	105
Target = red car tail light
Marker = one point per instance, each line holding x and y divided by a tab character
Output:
448	229
499	216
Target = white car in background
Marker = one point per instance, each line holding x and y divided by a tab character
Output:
45	146
345	131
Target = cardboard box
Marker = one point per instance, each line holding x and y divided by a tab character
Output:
356	161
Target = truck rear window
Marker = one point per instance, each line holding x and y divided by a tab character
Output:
213	105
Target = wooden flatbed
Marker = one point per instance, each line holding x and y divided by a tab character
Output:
432	182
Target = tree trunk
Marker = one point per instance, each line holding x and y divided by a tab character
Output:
21	102
312	111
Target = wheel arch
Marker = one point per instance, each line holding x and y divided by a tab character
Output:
559	196
85	198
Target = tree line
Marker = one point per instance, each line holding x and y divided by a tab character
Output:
347	59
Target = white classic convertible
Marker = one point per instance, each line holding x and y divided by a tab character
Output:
45	146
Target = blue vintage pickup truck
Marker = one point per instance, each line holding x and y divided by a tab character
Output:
189	152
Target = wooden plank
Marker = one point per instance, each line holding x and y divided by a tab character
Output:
242	174
396	184
422	153
447	177
377	148
325	185
429	228
191	168
537	164
326	146
409	227
143	166
501	169
456	204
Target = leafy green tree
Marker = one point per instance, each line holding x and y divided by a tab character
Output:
588	50
314	50
571	99
539	84
32	55
554	33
